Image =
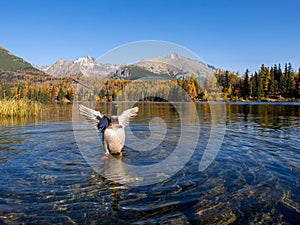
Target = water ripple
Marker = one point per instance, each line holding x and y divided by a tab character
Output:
255	178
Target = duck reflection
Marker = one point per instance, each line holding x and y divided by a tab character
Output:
114	172
114	168
107	183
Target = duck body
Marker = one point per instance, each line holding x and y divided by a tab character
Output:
112	129
114	140
113	134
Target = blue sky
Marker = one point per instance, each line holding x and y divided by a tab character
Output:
229	34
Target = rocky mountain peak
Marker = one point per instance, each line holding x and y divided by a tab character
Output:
85	60
82	66
173	56
61	61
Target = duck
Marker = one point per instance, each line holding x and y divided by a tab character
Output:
111	128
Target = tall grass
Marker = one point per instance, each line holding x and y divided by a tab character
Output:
19	108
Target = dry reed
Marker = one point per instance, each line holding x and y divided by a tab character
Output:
19	108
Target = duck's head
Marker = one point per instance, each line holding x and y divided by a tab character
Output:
103	123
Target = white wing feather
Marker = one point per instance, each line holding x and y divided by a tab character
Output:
127	115
90	115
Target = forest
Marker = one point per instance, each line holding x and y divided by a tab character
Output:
39	88
267	84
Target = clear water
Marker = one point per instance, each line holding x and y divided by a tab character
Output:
255	178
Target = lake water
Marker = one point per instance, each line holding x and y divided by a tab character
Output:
45	177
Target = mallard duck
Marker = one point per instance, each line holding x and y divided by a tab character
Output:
112	129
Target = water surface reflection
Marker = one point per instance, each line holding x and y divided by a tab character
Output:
255	178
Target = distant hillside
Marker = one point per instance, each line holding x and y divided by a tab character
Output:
176	66
173	66
12	63
83	66
134	72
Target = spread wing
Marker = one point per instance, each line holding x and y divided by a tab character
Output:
127	115
90	115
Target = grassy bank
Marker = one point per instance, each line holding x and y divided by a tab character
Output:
19	108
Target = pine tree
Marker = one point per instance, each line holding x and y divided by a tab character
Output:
61	94
289	78
246	86
253	81
226	81
272	82
298	84
283	82
277	78
265	78
260	89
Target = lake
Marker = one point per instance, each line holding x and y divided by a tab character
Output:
235	163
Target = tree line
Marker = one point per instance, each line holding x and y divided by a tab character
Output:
272	83
137	90
44	89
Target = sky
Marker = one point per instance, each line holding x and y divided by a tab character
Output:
232	35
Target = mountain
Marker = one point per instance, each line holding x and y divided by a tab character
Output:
63	68
12	63
176	66
171	66
83	66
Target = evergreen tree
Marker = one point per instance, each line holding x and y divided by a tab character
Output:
289	78
260	89
226	81
265	77
61	94
272	82
276	74
282	83
298	84
246	86
253	81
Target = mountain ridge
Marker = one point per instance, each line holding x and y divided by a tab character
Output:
173	65
177	66
82	66
11	63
